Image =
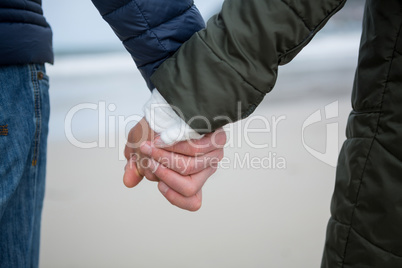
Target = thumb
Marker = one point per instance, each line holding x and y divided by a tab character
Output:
131	175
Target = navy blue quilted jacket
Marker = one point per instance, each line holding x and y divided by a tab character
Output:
25	36
151	30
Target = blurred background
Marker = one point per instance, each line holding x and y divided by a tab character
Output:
272	216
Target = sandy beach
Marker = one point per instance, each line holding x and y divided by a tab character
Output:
252	216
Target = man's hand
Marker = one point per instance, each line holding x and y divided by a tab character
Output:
181	169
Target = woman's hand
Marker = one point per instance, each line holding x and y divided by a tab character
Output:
181	169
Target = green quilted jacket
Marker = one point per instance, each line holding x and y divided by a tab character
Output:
235	60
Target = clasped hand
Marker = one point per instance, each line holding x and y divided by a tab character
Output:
180	169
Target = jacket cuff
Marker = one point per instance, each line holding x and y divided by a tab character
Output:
164	121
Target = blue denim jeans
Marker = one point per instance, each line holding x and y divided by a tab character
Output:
24	116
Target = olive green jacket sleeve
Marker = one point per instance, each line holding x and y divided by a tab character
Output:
224	71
